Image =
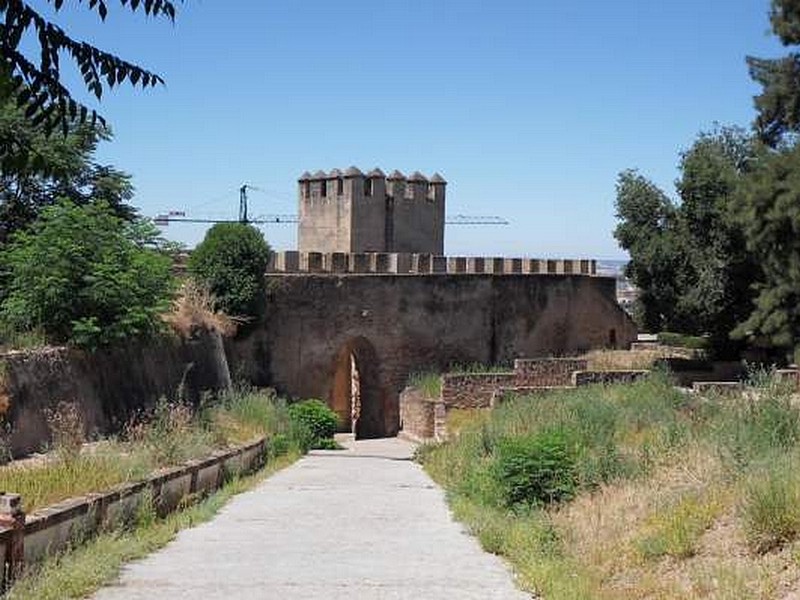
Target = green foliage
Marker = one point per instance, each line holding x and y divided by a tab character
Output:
316	419
35	68
536	469
231	261
681	340
675	530
81	275
429	383
689	260
768	209
37	170
771	506
778	105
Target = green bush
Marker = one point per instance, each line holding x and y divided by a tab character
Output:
536	469
81	275
316	419
231	261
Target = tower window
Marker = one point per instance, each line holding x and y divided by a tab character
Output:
368	187
323	188
340	186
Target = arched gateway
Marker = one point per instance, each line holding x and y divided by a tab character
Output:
356	394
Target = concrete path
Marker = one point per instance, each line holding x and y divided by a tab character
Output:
362	523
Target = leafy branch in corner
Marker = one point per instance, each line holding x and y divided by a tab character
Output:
37	83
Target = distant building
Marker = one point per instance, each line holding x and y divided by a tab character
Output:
353	212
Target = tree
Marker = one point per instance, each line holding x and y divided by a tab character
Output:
37	170
689	259
768	210
231	261
81	275
41	92
778	105
646	230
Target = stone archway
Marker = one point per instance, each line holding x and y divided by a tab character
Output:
356	393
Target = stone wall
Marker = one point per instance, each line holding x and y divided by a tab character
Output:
53	529
417	414
108	385
547	372
413	324
472	390
404	263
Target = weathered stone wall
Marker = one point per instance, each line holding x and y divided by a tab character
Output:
547	372
108	385
472	390
417	414
410	324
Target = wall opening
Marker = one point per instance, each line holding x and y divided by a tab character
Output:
356	393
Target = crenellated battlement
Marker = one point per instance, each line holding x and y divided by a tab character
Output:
398	263
350	211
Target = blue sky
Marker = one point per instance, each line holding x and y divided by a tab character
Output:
530	108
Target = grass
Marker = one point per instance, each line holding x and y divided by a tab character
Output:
168	435
79	572
677	496
429	383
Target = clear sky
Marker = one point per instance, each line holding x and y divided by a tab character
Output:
529	108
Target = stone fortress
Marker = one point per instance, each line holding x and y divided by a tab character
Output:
369	298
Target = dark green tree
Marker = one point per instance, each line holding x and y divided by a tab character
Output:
689	259
231	261
768	210
778	105
79	274
647	231
35	69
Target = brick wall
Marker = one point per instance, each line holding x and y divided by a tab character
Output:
607	377
546	372
417	417
473	390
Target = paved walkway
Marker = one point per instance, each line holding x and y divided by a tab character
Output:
363	523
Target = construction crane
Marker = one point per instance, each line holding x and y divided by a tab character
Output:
179	216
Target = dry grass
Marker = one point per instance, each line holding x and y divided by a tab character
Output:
613	360
710	515
193	310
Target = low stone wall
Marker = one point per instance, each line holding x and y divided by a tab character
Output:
417	414
51	530
472	390
718	387
108	386
547	372
580	378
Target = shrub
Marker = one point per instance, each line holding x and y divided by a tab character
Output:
429	383
771	507
66	431
231	262
81	275
536	469
316	418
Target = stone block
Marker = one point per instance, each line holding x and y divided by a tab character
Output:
291	261
381	262
439	264
476	264
336	262
496	265
421	263
359	262
512	265
313	262
457	264
403	263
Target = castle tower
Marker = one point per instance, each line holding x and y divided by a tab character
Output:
353	212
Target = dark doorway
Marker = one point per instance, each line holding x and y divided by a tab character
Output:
356	394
